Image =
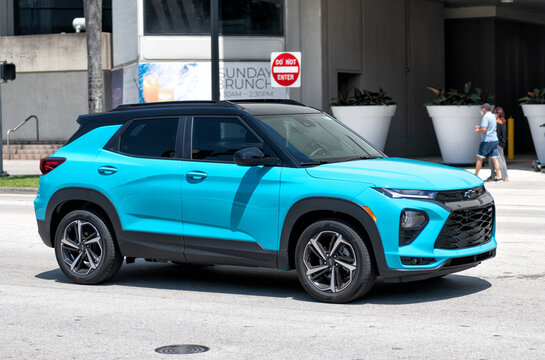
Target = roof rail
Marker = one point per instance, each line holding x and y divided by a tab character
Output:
278	101
167	104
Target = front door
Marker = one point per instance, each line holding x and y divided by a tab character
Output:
230	212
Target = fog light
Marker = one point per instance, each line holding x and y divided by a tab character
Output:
411	224
411	219
417	260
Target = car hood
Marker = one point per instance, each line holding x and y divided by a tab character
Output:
398	173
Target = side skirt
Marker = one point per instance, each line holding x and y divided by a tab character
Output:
198	250
227	252
136	244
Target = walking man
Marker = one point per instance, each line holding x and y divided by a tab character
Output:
489	141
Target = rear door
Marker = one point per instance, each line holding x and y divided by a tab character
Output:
230	212
140	171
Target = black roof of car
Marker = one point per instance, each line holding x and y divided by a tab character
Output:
125	112
252	106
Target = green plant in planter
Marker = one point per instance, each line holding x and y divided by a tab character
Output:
534	97
469	96
364	97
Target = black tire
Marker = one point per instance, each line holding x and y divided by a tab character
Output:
351	251
94	253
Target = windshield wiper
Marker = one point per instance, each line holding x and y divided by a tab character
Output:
361	158
313	163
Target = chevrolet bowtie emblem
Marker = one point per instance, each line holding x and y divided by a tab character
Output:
470	194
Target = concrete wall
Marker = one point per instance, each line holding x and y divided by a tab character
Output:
124	32
57	52
51	83
314	49
307	32
57	98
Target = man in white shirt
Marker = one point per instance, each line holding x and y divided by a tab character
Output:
489	141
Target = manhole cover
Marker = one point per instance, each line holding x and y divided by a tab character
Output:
182	349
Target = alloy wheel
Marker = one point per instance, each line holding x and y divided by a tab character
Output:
330	262
82	247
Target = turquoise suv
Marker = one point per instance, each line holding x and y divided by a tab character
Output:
255	183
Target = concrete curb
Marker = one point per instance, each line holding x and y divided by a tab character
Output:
17	190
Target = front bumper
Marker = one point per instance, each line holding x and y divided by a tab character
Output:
438	257
450	266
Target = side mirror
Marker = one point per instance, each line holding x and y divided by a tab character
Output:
252	156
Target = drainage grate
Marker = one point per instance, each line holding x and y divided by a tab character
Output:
182	349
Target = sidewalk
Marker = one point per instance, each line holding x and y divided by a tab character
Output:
22	167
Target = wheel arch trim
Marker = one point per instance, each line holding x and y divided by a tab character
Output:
79	194
328	204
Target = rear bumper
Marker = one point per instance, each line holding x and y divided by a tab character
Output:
45	234
450	266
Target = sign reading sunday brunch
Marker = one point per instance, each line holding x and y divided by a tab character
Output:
170	81
286	69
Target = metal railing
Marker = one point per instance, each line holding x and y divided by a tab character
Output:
17	128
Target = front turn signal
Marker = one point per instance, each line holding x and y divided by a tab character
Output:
366	208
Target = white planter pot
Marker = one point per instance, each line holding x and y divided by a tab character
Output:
535	113
455	130
370	121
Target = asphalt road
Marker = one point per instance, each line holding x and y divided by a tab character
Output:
494	311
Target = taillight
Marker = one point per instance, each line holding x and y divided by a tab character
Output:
49	163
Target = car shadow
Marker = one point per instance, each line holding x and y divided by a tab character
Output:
200	278
274	283
430	290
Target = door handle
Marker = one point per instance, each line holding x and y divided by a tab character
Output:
196	175
106	170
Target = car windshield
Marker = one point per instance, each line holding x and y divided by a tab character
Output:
318	139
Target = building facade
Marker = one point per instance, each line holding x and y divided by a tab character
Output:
160	50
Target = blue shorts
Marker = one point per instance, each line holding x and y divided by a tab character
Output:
488	148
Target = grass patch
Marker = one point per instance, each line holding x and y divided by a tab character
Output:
29	181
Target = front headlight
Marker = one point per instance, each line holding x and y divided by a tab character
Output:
408	194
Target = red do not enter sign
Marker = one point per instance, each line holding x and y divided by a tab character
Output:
286	69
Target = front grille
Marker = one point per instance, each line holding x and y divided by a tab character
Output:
460	195
467	228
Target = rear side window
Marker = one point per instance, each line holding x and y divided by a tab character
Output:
150	138
217	139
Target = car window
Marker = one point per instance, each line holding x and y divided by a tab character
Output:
151	138
219	138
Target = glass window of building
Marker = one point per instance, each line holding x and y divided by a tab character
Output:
192	17
53	16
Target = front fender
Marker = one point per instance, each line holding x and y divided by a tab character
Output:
345	207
